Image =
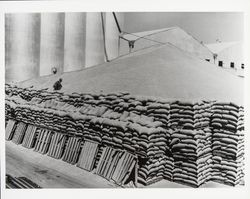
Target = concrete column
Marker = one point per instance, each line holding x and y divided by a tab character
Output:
74	41
52	42
22	46
94	40
112	33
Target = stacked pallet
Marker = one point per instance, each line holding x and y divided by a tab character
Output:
30	136
98	155
88	155
19	183
107	163
124	168
228	143
192	156
19	133
10	129
57	145
72	150
115	165
43	141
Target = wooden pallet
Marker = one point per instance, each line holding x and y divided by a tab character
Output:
57	145
98	155
87	156
43	141
72	150
29	138
19	183
104	163
19	133
10	129
124	168
107	162
116	165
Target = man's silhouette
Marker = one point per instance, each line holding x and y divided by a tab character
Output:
58	85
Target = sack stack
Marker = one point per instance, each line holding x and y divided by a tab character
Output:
160	111
186	142
181	115
202	114
228	143
155	170
192	156
155	142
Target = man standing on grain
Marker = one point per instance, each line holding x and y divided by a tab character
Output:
58	85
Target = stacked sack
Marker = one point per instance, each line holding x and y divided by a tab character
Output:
202	114
181	115
179	141
159	110
192	156
155	142
228	143
95	123
152	171
190	115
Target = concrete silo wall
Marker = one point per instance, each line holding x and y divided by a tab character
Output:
35	43
52	42
22	46
75	40
94	43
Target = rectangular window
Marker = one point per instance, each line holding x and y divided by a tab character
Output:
220	63
232	64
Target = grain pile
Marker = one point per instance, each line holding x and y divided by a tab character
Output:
185	142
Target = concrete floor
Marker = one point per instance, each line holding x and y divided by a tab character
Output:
48	172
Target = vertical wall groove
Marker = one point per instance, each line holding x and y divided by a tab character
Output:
74	41
22	47
37	42
52	42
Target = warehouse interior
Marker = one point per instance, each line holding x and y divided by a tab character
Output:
154	107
